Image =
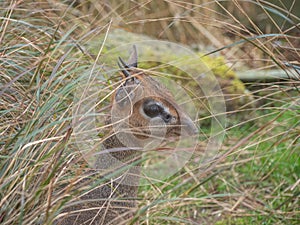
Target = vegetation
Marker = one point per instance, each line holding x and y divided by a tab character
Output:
48	49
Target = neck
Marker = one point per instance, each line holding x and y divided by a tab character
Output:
114	201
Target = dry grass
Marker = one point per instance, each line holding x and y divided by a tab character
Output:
254	180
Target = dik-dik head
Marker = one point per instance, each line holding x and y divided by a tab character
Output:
145	107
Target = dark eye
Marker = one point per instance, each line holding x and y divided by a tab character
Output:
152	109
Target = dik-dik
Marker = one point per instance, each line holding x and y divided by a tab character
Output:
142	110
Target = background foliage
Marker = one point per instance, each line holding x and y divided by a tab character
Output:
44	45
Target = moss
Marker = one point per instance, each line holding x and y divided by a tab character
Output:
237	86
228	81
218	67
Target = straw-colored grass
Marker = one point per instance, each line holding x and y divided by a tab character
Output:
44	55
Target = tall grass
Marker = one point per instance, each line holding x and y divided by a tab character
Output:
44	50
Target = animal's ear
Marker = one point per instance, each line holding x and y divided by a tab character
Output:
133	59
126	93
131	64
124	68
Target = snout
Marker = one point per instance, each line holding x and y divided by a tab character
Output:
189	126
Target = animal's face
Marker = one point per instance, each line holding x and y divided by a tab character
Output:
147	107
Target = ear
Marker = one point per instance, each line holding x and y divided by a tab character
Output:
133	59
124	68
131	64
125	94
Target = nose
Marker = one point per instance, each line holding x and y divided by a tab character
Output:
188	125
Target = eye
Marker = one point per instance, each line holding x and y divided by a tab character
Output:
152	109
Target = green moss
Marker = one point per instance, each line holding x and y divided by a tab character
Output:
226	77
237	86
219	67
